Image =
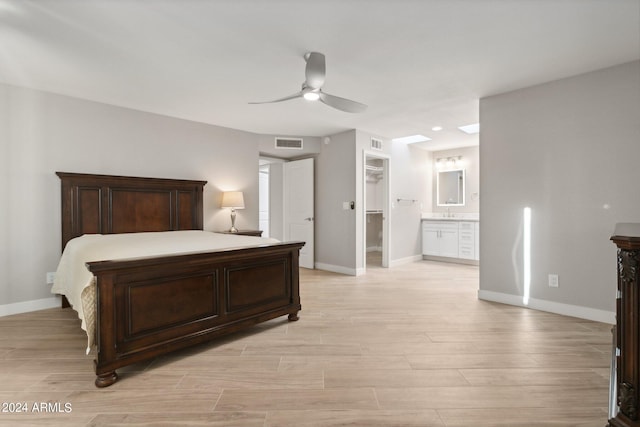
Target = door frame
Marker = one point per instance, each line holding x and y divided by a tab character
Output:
276	214
386	204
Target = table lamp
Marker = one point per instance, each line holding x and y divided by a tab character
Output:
233	200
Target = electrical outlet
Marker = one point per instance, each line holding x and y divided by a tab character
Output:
553	280
50	278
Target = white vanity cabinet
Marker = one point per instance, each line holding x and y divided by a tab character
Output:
456	240
440	238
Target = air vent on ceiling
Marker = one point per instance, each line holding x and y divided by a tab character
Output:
289	143
376	144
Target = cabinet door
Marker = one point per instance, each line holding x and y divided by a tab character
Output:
430	241
449	242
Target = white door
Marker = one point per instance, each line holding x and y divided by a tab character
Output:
298	207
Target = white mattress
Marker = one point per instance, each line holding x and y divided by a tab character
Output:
75	281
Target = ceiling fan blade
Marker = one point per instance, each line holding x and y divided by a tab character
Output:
286	98
315	70
342	104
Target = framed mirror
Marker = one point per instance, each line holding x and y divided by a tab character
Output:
450	188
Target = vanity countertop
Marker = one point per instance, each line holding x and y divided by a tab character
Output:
442	216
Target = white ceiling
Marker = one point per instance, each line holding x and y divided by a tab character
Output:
416	64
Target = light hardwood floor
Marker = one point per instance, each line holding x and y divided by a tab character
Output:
407	346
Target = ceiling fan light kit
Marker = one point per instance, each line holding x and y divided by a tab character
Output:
311	96
315	72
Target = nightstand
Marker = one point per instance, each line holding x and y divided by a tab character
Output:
243	232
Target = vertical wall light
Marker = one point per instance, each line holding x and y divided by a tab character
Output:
526	243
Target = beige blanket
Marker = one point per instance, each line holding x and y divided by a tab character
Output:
76	282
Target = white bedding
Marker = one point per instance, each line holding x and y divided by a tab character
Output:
76	282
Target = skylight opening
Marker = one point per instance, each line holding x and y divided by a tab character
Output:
411	139
470	129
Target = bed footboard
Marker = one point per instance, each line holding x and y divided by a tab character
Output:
150	306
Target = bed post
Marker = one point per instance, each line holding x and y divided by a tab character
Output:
105	340
295	285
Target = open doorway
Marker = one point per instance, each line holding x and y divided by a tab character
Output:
376	201
271	188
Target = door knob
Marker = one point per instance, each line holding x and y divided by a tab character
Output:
309	219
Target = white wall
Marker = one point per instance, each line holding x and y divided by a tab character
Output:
569	150
335	244
43	133
411	178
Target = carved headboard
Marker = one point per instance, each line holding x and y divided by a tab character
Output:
107	204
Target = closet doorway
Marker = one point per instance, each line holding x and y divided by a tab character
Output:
376	202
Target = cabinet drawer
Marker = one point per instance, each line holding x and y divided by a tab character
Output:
467	226
439	225
466	237
466	252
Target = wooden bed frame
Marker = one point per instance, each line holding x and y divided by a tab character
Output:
154	305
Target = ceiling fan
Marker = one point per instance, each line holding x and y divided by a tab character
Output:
312	87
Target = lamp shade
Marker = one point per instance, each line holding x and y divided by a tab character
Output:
232	199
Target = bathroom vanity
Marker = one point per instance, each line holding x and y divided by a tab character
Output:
451	238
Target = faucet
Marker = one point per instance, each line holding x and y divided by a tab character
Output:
448	212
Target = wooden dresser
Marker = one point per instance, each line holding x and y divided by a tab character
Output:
627	238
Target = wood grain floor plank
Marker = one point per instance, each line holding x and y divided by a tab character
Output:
265	400
354	418
473	397
343	362
132	401
256	380
524	417
396	378
193	419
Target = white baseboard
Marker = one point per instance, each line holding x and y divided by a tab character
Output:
407	260
28	306
359	271
337	269
451	260
551	306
